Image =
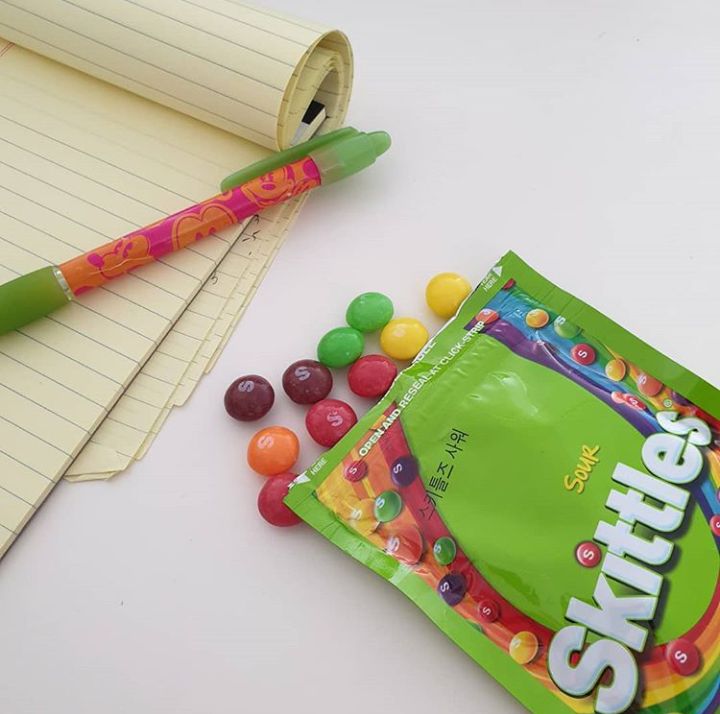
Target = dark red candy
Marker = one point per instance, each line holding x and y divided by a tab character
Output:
372	375
329	420
404	471
307	381
488	610
270	500
249	398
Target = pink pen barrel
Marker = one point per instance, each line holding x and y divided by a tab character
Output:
175	232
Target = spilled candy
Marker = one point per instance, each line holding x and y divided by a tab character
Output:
340	347
249	398
329	420
403	337
371	376
270	501
273	450
445	292
369	312
307	381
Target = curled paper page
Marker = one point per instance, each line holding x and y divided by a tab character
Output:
238	68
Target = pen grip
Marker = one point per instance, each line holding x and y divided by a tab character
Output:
175	232
30	297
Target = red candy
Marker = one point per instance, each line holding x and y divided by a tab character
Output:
356	471
509	285
715	525
588	554
329	420
683	657
372	375
405	544
270	501
307	381
632	401
488	610
249	398
583	354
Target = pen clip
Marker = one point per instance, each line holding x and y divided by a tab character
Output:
282	158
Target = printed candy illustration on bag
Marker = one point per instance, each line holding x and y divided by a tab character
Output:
546	488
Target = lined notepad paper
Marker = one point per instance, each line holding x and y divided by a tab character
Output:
115	114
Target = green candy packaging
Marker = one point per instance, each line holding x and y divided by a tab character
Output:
544	486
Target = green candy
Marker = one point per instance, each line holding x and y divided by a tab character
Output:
565	329
388	506
369	312
340	347
444	550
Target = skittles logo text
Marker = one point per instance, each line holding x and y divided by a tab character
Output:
672	458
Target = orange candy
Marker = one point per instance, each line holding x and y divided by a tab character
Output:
273	450
487	315
537	318
649	386
405	544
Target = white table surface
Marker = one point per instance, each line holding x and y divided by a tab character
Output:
585	136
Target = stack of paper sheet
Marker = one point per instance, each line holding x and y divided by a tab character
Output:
115	114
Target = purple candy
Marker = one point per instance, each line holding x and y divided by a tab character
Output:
404	471
452	588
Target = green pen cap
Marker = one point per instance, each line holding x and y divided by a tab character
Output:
349	155
282	158
30	297
337	154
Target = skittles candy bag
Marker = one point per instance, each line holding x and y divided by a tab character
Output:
544	486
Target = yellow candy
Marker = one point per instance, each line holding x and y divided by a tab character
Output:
615	369
537	318
362	518
523	647
445	292
359	513
403	338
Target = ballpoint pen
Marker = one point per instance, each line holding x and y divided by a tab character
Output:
265	183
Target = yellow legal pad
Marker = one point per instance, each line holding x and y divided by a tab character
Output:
115	114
